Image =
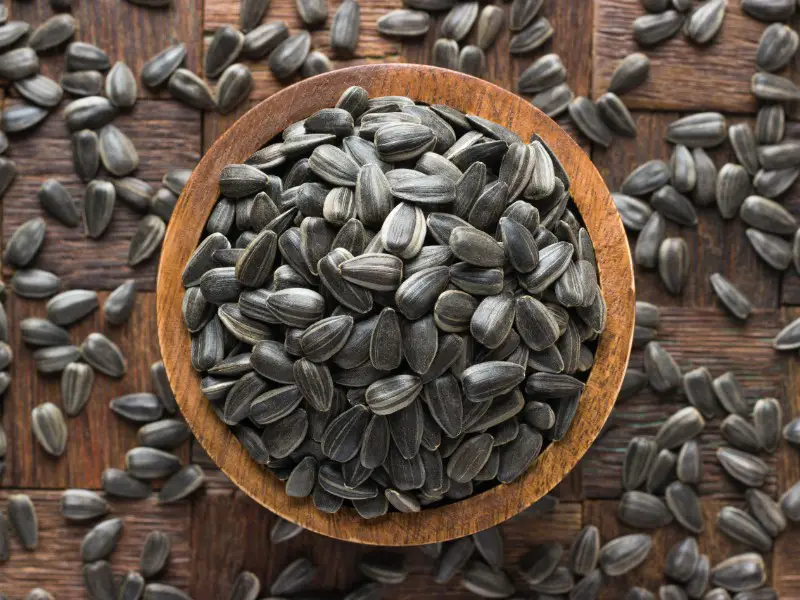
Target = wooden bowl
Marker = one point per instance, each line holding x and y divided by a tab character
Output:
430	85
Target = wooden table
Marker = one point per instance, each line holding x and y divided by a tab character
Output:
220	532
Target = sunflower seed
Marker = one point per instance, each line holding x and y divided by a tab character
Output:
71	306
545	73
770	123
490	23
101	540
616	115
470	457
779	156
224	49
233	88
34	283
647	178
91	112
554	101
681	561
767	418
634	212
98	207
740	573
181	484
689	467
150	463
295	577
700	130
643	511
103	355
766	511
82	505
40	90
472	60
385	348
54	358
13	31
315	64
519	454
772	184
730	395
188	88
118	483
623	554
76	387
158	69
165	434
743	528
534	35
459	20
773	88
162	591
652	29
673	264
41	332
345	28
639	457
53	32
789	503
132	586
540	562
134	192
745	468
733	299
155	554
86	153
649	241
25	242
587	117
630	73
121	87
49	428
661	472
484	581
283	530
681	427
662	370
704	22
98	579
16	64
445	53
289	55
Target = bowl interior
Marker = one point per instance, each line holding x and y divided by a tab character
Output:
432	86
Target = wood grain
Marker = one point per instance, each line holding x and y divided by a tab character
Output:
683	76
56	565
78	260
97	437
125	31
716	245
242	543
698	338
428	85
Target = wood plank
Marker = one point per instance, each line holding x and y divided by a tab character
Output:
790	284
97	437
674	84
240	529
715	544
125	31
372	47
56	565
696	338
78	260
716	245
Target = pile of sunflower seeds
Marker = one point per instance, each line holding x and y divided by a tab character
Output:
430	263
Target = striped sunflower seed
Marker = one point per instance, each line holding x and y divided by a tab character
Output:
743	142
679	428
53	32
739	573
523	12
345	28
101	540
705	22
490	23
767	215
103	355
139	407
162	591
623	554
158	69
188	88
12	31
585	550
98	579
71	306
226	44
649	241
689	467
76	387
40	90
790	503
91	112
518	455
119	483
742	466
155	554
98	207
49	428
643	511
773	88
554	101
540	562
120	303
662	370
533	36
767	418
53	359
730	394
16	64
772	184
770	124
165	434
630	73
25	242
472	60
730	296
705	178
662	472
121	87
86	153
459	20
779	156
82	505
445	53
131	586
233	88
295	577
181	484
647	178
634	212
34	283
587	117
740	526
684	172
700	130
766	511
652	29
685	506
639	457
545	73
289	55
41	332
682	559
673	264
484	581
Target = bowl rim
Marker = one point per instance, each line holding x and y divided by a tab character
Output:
431	85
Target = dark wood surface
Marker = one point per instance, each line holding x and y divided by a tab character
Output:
220	532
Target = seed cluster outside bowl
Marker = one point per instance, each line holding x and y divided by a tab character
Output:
394	305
